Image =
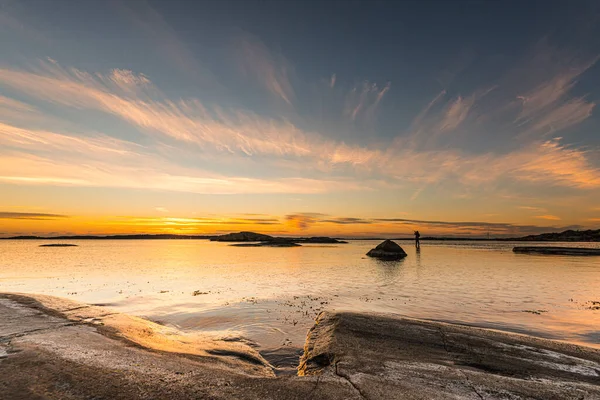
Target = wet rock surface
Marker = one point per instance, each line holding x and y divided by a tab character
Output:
58	349
552	250
387	250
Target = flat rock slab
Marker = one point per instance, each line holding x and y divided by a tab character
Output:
561	251
52	348
387	357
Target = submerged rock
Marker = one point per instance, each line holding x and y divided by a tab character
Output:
387	250
561	251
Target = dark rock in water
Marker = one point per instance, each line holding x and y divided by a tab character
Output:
320	239
561	251
58	245
267	240
387	250
273	243
243	237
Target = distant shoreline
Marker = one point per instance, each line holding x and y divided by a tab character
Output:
208	237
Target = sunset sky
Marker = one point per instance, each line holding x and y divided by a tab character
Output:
327	118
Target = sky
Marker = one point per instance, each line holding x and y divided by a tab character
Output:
347	118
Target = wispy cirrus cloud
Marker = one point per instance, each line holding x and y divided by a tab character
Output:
549	92
549	107
134	99
563	116
49	158
192	221
7	103
271	70
456	113
30	216
363	100
162	37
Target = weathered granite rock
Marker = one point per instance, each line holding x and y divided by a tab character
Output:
52	348
387	250
561	251
387	357
243	237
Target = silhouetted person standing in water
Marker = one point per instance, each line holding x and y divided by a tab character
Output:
417	242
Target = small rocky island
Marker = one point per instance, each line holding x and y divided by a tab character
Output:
253	239
274	242
559	251
243	237
387	250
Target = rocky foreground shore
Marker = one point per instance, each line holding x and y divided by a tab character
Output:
52	348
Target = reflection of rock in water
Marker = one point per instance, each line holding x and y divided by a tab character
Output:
389	270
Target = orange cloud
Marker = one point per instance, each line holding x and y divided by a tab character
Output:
548	217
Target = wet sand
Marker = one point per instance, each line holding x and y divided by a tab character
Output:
53	348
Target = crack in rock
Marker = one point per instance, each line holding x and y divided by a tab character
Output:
312	392
21	334
347	378
467	380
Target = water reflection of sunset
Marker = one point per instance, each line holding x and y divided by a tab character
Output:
261	292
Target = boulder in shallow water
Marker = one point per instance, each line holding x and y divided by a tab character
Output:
387	250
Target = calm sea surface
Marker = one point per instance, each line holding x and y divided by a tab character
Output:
272	295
